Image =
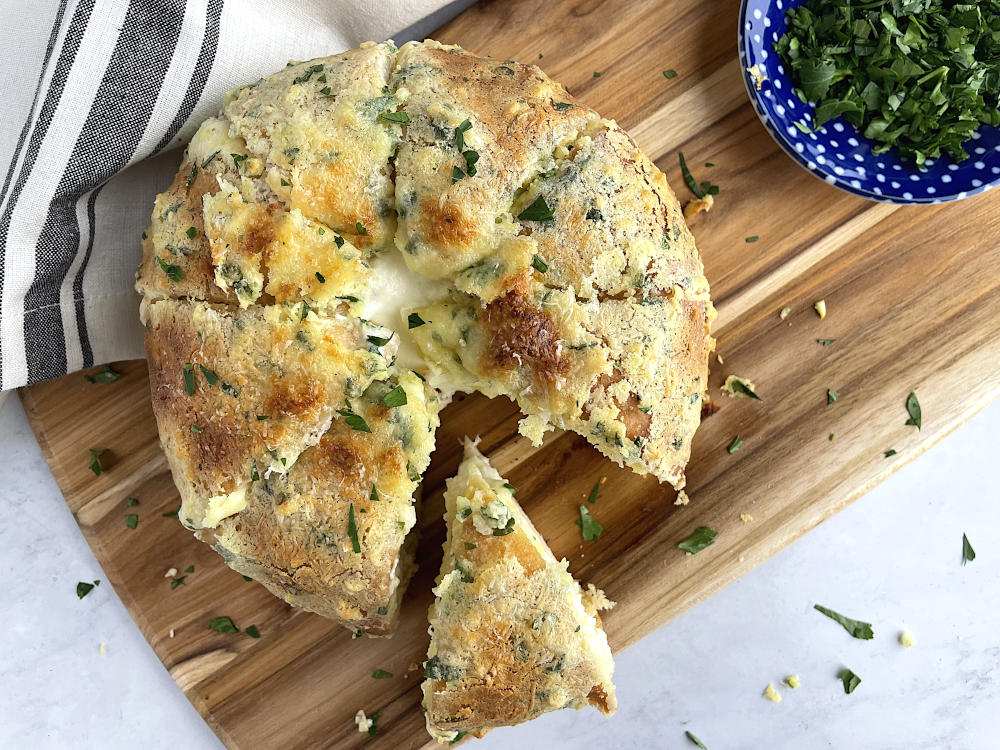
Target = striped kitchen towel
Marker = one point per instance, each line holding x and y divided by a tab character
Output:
99	94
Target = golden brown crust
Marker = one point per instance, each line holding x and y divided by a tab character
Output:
294	534
512	634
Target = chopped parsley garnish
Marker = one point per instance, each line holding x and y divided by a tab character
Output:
320	278
395	397
304	310
238	159
706	188
700	538
857	629
735	445
263	417
210	376
291	153
373	495
107	375
83	588
191	232
538	211
352	530
460	134
509	486
132	520
413	320
913	409
596	74
191	175
189	378
743	389
252	631
354	421
172	513
695	740
189	569
247	578
175	582
890	452
209	160
338	240
131	502
593	493
400	118
460	735
471	157
850	680
670	73
920	75
174	273
308	73
589	527
456	175
285	183
379	340
222	625
506	529
540	265
347	297
825	342
831	395
95	462
361	228
372	729
196	429
968	554
381	674
752	238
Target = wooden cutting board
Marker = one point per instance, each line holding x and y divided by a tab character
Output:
914	304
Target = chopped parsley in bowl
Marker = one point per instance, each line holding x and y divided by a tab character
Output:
894	100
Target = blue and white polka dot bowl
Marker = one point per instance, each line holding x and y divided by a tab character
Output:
837	153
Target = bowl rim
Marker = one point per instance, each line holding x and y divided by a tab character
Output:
829	178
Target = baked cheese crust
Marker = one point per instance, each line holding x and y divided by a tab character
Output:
513	635
528	247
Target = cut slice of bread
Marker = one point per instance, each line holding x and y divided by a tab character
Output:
513	635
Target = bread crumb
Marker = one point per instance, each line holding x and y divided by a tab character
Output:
413	667
746	517
102	649
907	640
793	681
170	573
719	358
698	205
820	308
682	498
363	722
771	694
742	558
785	312
171	632
729	386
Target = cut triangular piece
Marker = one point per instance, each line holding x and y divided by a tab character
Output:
513	635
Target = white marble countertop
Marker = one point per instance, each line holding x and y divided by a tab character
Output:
892	558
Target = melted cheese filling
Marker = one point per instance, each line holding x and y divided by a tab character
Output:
395	291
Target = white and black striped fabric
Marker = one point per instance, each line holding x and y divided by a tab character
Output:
97	93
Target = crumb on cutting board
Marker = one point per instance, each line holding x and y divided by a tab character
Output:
697	205
363	722
820	308
771	694
682	498
746	517
907	640
785	312
793	681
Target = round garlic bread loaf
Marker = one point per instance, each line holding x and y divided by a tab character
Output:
354	238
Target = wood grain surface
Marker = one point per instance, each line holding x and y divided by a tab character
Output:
913	295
